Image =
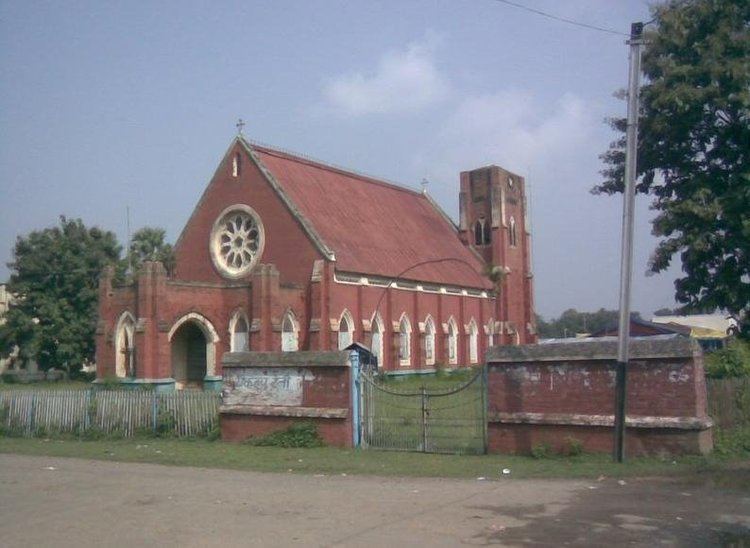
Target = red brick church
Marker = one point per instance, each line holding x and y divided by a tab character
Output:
287	253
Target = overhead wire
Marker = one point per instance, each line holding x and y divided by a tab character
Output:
562	19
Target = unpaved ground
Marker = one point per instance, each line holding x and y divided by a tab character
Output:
69	502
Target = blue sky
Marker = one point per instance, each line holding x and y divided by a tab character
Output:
105	105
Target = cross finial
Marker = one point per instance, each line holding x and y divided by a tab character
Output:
240	126
425	182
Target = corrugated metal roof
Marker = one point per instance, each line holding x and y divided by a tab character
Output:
372	226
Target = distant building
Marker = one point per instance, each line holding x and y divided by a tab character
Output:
643	328
12	363
286	253
4	303
711	330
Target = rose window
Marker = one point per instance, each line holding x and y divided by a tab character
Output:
236	241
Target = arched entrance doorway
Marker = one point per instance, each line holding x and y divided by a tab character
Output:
192	340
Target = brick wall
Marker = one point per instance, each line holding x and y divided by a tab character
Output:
265	392
552	393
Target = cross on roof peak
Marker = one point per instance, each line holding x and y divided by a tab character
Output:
240	125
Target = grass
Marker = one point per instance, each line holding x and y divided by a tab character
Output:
436	381
328	460
454	419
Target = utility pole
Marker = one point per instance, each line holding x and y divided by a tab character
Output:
626	253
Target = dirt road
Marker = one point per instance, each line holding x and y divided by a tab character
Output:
69	502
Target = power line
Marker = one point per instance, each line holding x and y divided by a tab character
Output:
562	19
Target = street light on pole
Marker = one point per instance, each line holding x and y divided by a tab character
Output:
626	253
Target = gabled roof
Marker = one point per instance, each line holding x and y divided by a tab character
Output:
644	328
371	226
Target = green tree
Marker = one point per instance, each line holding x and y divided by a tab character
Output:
572	322
147	244
667	312
54	279
694	150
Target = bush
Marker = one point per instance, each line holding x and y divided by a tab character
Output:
214	434
165	423
731	361
541	451
83	376
9	377
110	382
573	447
732	442
304	434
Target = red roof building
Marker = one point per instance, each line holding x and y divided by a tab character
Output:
286	253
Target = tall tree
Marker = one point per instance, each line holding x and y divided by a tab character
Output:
147	244
54	281
572	322
694	150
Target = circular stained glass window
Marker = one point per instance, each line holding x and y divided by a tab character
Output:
236	241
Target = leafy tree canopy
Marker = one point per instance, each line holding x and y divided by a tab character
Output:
54	281
572	322
147	244
694	150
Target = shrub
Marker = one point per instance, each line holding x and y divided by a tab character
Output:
165	423
441	370
110	382
731	361
541	451
214	434
303	434
82	376
573	446
9	377
732	442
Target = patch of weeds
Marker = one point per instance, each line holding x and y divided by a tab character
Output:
573	447
541	451
91	434
214	434
9	377
165	423
143	432
303	434
732	442
83	376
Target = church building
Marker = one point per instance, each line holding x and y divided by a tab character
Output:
285	253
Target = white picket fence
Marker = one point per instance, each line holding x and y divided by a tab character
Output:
118	412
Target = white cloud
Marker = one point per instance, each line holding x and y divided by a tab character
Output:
514	129
403	81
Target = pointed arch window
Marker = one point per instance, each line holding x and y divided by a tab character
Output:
377	338
346	330
124	345
404	341
239	333
512	232
491	333
482	232
452	342
289	333
236	165
429	341
478	233
473	342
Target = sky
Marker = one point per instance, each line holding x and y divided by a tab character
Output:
110	105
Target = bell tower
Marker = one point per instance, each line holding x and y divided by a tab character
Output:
493	222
